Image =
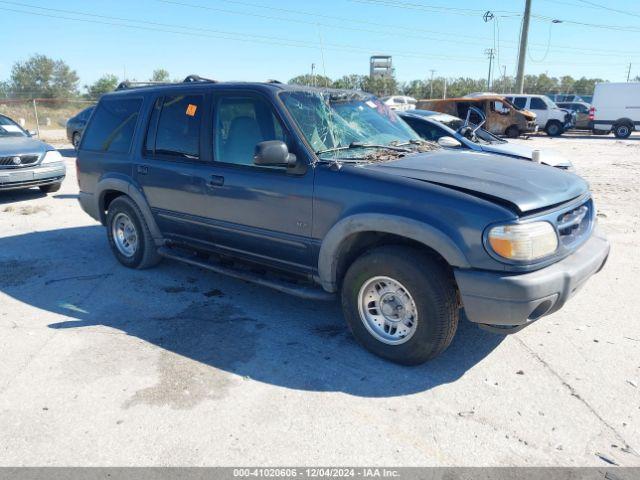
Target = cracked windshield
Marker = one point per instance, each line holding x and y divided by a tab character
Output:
351	126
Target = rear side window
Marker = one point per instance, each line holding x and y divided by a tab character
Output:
174	127
426	130
113	124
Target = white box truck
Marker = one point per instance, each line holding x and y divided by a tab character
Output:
616	108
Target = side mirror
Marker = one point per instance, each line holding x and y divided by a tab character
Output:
33	133
448	142
273	153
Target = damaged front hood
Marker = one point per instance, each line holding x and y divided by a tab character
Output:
528	114
527	186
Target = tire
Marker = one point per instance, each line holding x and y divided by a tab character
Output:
554	128
125	216
512	132
622	130
432	296
50	188
75	140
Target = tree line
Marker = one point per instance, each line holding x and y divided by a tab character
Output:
455	87
42	77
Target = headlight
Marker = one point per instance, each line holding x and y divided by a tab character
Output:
52	156
525	242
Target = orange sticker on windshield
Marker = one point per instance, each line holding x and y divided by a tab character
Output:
191	109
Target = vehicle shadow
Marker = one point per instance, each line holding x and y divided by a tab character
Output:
222	323
68	152
24	195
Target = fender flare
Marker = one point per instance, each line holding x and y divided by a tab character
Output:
127	188
625	121
370	222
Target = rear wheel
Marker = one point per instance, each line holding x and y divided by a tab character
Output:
52	187
129	235
553	128
622	130
400	304
512	132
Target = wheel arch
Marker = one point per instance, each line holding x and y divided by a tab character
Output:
625	121
110	188
350	237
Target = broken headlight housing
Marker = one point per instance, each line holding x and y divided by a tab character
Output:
524	242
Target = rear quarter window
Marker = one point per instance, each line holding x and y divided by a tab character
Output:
113	125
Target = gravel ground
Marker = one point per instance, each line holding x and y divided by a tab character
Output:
100	365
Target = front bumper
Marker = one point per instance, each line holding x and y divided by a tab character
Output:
32	176
510	301
531	127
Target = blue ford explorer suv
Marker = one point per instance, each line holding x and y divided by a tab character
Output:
329	192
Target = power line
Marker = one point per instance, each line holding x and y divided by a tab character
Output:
443	36
604	7
210	33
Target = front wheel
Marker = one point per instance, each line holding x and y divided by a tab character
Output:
129	235
512	132
401	304
554	129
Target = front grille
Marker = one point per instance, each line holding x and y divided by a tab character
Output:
18	161
575	224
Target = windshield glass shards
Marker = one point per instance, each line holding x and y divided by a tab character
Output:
351	125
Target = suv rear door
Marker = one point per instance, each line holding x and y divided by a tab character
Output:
174	169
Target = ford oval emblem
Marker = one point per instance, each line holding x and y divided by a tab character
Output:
16	160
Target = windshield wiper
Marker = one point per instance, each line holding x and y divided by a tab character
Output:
353	145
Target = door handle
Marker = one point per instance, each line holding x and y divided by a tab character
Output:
142	169
216	181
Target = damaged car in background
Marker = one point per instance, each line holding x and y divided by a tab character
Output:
453	132
333	195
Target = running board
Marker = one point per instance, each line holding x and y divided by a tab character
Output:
309	293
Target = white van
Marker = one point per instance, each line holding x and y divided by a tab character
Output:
549	117
616	108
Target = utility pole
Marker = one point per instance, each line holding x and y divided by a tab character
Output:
522	54
431	83
444	92
629	73
313	74
489	52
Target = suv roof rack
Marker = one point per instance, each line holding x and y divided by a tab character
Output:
197	78
129	84
274	81
188	79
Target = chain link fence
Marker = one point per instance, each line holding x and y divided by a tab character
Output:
46	117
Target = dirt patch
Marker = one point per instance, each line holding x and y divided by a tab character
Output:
201	345
18	272
26	210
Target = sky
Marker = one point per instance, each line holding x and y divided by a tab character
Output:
279	39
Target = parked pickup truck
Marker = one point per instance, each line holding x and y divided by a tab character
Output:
331	193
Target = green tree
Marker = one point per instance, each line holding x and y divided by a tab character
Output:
106	83
308	80
585	86
380	86
160	75
350	82
41	76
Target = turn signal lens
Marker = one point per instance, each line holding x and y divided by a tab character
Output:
525	242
